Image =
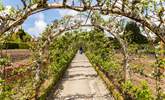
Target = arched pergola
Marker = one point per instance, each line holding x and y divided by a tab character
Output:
119	7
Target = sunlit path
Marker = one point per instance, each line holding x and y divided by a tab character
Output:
81	82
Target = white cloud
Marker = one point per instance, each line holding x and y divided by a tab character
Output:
39	25
65	12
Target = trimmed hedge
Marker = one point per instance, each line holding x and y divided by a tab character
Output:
57	77
14	45
114	92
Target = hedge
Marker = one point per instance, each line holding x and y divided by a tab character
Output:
14	45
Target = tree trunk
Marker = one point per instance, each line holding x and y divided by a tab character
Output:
126	67
125	59
38	80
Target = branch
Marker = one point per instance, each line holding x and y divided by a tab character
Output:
24	3
123	5
113	5
88	16
64	2
103	3
85	4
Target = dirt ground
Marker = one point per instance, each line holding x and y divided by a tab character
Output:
16	54
147	63
19	59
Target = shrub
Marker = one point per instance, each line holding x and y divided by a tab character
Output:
23	46
10	45
143	92
140	92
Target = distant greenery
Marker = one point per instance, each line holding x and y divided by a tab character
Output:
134	38
18	40
20	36
133	34
137	42
100	51
1	6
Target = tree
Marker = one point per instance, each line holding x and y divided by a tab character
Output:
24	36
133	34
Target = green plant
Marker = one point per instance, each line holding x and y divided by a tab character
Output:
140	92
5	91
143	92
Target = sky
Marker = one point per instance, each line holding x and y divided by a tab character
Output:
36	24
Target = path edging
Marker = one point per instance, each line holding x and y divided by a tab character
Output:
114	92
56	79
109	84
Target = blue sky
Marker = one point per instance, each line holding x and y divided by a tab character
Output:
35	24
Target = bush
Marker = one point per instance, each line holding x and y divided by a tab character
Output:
10	46
13	45
141	92
5	91
23	46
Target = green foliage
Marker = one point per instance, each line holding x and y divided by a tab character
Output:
114	42
35	1
1	6
61	52
14	45
144	93
140	92
133	48
161	63
99	50
18	40
24	46
5	91
20	36
133	35
10	46
4	61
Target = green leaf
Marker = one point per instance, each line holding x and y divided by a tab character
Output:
1	6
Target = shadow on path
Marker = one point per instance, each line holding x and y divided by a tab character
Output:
80	82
